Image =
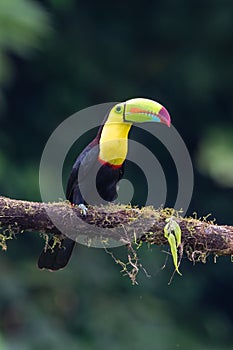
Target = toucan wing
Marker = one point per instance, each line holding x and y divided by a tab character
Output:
87	159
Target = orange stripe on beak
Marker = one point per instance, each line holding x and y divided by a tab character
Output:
137	110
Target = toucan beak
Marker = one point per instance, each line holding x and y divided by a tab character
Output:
164	117
140	110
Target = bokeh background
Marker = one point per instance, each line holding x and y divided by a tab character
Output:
59	56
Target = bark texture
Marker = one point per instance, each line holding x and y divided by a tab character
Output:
121	223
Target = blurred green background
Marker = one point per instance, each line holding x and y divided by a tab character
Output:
59	56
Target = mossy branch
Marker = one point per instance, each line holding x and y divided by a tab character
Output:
199	237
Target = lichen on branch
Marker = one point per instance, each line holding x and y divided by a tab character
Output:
199	237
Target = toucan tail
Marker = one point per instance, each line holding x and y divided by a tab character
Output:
58	257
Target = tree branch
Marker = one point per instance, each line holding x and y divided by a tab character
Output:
199	237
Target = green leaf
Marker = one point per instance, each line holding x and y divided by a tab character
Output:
172	232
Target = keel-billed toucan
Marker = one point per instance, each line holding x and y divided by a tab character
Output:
104	159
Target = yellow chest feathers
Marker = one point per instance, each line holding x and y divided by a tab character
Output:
114	142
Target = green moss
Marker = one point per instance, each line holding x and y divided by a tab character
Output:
4	237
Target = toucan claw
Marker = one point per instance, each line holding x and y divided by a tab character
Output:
83	208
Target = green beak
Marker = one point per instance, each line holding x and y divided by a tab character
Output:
141	110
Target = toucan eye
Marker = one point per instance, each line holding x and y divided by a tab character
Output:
118	109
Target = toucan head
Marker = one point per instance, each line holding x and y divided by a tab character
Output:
141	110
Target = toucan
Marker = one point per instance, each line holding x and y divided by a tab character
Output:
100	166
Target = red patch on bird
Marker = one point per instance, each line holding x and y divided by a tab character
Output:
114	166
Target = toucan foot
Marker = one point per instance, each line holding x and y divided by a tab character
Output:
83	208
